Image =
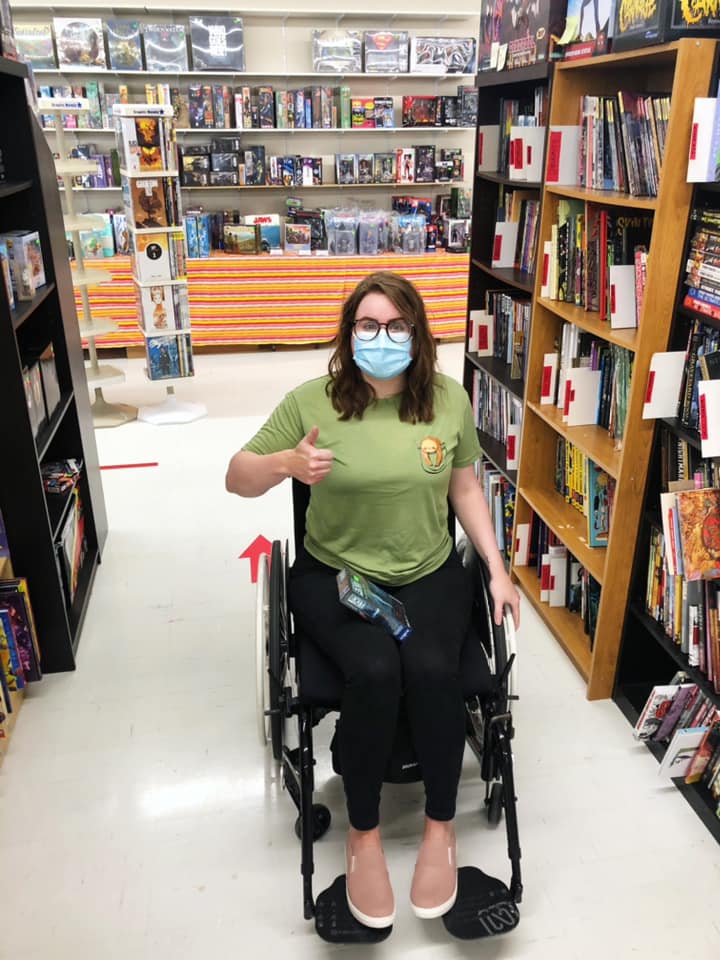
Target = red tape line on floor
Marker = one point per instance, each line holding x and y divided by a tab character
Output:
128	466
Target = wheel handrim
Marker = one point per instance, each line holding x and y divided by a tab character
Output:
262	628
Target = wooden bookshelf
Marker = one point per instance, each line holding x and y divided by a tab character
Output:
685	69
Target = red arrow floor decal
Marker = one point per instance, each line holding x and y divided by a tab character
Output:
257	548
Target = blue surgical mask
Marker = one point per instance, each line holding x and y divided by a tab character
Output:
382	358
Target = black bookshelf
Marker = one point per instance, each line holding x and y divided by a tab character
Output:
488	190
649	657
29	199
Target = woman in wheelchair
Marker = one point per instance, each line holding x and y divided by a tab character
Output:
384	441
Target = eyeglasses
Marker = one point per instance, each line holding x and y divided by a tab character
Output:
399	330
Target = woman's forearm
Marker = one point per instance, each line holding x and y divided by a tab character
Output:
252	474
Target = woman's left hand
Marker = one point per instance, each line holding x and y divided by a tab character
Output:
504	594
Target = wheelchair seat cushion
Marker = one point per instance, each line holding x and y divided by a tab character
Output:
321	682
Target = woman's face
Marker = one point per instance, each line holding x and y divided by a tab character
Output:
376	306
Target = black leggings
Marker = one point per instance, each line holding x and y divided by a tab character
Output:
377	670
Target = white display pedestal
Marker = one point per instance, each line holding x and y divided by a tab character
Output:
104	414
172	410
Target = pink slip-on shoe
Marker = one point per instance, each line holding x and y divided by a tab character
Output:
434	885
367	883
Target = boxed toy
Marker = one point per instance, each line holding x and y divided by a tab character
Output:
362	112
337	51
386	51
424	164
365	168
373	603
440	55
346	168
384	168
384	112
419	111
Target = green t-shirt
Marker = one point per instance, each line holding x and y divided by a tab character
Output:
383	508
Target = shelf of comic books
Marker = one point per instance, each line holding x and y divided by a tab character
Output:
695	789
590	321
606	197
594	441
496	368
597	305
565	624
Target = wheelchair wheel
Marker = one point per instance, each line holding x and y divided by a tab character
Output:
495	804
262	633
275	658
321	822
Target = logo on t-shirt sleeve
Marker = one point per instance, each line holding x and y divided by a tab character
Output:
433	455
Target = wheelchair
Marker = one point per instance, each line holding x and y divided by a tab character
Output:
297	685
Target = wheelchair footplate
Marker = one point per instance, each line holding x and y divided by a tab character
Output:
335	923
484	907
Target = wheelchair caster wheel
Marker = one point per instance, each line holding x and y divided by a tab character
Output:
495	804
321	822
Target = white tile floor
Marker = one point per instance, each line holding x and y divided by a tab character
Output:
140	818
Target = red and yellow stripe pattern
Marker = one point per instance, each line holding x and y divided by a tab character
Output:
255	300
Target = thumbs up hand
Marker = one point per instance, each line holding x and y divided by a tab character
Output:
311	464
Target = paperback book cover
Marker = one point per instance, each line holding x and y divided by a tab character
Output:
80	42
149	203
372	603
162	357
14	598
124	44
601	489
655	709
699	521
10	664
679	755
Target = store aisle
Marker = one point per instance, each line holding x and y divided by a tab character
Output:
140	819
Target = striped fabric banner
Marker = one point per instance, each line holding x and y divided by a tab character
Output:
254	300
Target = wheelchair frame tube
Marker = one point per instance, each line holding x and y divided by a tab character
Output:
511	823
306	810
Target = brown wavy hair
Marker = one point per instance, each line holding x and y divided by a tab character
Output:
349	392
